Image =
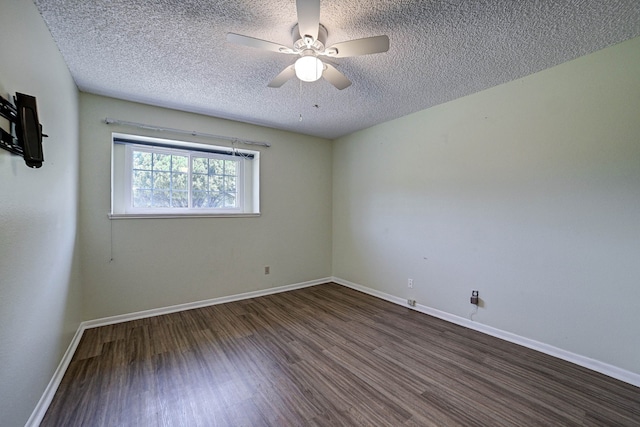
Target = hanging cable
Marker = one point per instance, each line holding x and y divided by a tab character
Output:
111	243
300	99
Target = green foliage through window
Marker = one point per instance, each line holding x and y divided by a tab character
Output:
162	179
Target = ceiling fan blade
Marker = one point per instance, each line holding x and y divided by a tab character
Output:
366	46
257	43
283	77
308	17
335	77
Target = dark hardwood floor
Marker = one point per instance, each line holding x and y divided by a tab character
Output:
325	355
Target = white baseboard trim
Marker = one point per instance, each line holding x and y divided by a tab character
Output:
45	400
595	365
199	304
43	404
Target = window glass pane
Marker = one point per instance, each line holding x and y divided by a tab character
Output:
216	183
200	199
161	162
161	199
141	160
180	199
230	200
180	164
199	182
200	165
230	183
230	167
161	180
216	200
141	199
216	167
141	179
180	181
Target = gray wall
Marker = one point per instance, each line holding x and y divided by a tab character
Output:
528	192
39	276
163	262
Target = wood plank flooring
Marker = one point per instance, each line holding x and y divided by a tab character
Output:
320	356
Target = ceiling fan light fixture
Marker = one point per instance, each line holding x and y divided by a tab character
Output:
309	68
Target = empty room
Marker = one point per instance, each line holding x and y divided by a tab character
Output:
319	212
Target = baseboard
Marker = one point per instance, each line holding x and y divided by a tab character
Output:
592	364
43	404
199	304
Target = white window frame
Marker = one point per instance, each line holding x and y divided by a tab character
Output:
247	184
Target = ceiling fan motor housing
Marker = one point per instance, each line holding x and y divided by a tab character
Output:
302	42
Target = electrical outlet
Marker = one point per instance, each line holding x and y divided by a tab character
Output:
267	269
410	284
474	297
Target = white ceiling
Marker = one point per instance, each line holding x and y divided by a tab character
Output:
174	53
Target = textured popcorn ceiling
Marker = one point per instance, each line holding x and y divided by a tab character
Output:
174	53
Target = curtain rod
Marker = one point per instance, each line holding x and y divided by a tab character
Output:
110	121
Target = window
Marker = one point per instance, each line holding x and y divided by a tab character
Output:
177	179
154	177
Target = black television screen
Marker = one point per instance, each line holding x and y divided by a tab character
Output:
28	130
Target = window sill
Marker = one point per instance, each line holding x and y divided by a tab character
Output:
194	215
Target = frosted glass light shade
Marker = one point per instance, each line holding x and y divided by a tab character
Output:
308	68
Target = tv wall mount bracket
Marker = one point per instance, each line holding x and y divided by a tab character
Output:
16	145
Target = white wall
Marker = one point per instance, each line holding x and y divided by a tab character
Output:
39	277
163	262
528	192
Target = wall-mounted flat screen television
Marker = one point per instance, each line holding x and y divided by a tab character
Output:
28	130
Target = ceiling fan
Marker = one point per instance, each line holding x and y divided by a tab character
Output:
309	38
